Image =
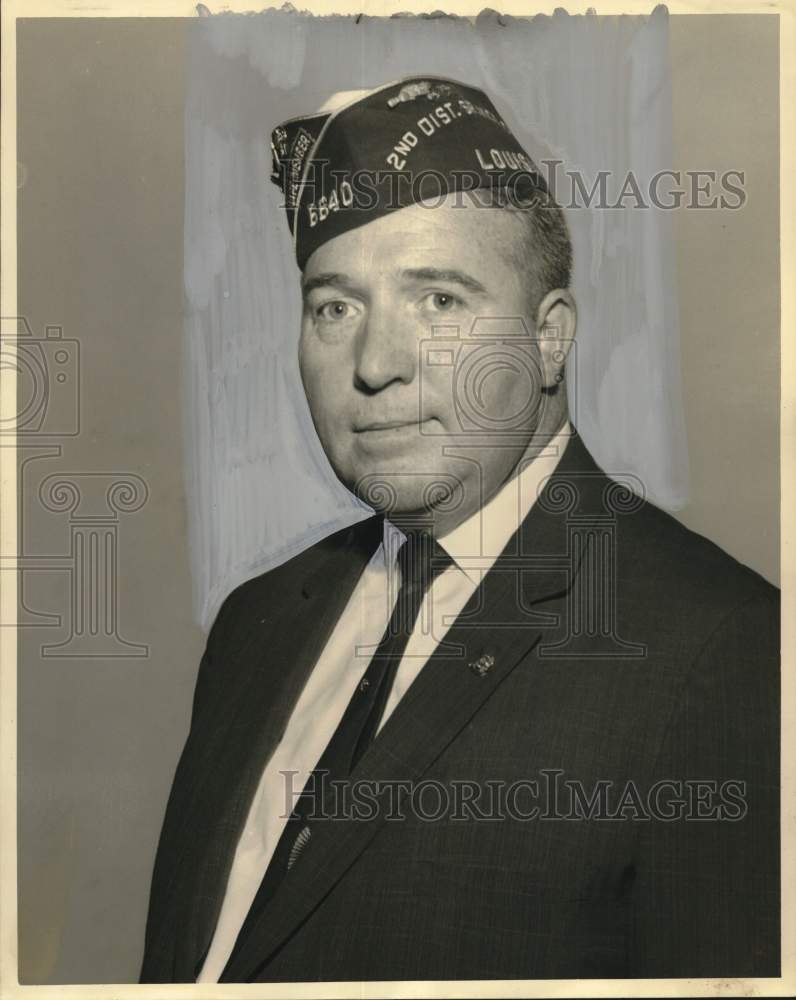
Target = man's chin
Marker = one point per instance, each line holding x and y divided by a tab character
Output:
403	492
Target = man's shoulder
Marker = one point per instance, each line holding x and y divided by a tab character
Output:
660	546
657	559
675	581
285	581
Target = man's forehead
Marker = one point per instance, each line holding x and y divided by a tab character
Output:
452	235
404	275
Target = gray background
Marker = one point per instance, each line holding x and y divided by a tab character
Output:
100	253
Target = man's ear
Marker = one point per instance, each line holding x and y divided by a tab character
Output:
556	321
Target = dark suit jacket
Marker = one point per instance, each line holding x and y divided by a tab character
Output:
627	650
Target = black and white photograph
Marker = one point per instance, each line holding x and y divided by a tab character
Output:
393	598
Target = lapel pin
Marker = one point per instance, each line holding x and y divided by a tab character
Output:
482	665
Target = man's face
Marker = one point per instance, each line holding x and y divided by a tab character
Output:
389	406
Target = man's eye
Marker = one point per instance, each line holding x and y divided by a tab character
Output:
335	311
442	301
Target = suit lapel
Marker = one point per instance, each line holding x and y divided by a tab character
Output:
238	738
500	625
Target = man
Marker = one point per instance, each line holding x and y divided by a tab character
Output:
519	724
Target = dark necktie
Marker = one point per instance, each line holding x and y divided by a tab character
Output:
420	560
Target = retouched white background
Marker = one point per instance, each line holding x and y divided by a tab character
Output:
594	92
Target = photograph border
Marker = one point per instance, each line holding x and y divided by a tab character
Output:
784	985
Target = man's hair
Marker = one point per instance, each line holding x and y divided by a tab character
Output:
546	251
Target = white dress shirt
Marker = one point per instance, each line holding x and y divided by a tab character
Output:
474	546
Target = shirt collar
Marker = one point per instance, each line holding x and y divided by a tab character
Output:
475	544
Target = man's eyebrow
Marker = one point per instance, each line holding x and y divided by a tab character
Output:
445	274
332	278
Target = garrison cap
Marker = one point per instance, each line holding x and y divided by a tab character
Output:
368	153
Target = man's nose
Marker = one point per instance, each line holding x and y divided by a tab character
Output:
387	348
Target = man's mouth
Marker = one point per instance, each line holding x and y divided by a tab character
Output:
381	426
